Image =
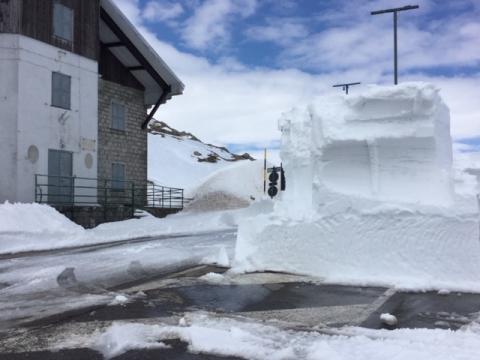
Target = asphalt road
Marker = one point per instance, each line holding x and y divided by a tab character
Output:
175	287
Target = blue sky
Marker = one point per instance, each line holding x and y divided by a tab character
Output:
244	62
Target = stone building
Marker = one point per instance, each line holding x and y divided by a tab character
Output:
77	80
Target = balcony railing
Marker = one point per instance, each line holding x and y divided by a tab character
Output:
81	191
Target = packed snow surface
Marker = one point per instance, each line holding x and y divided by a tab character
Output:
250	340
371	196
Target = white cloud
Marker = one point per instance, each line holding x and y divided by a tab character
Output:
161	11
228	102
209	26
279	30
352	38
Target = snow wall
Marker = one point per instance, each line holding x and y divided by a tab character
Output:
371	197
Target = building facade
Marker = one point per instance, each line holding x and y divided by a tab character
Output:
77	80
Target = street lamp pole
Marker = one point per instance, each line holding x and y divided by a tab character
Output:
395	52
346	86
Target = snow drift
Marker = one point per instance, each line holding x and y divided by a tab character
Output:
371	195
235	186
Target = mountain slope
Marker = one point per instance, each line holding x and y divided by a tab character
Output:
180	159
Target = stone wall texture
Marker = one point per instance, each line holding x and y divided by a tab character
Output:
128	147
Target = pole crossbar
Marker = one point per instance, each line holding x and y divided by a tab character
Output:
346	86
395	21
403	8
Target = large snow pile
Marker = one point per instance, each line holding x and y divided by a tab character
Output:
34	220
179	159
235	186
371	196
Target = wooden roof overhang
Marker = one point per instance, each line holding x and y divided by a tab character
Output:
132	50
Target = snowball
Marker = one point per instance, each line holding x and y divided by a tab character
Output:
213	277
119	300
389	319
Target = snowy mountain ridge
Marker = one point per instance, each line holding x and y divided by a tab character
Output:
211	154
180	159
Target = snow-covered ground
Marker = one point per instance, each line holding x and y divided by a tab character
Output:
31	287
252	340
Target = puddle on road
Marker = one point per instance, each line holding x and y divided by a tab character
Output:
428	310
236	298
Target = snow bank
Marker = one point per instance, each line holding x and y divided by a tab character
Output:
249	340
235	186
28	227
371	196
34	219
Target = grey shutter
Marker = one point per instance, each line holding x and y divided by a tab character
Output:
56	89
118	116
66	89
61	90
118	176
60	179
63	22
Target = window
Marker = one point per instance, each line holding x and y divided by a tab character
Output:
118	176
61	90
63	22
118	116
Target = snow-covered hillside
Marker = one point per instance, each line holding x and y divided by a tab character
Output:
179	159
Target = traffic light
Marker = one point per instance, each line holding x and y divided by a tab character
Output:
283	183
272	186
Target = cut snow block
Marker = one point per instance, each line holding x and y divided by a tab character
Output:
371	197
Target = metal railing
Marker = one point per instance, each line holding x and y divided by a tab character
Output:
81	191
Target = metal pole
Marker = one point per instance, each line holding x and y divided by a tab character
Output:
395	54
73	191
265	171
133	199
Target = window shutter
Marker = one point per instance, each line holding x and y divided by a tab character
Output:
118	176
61	90
118	116
63	22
